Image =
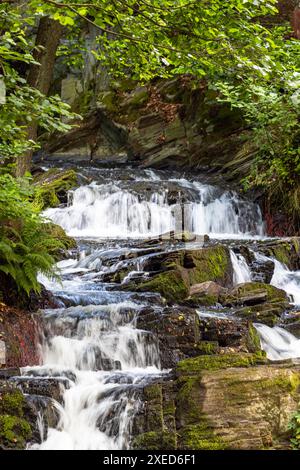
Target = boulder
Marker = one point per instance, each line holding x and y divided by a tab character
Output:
15	429
173	273
52	186
232	402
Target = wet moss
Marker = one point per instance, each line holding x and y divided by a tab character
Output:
211	264
215	362
208	347
12	403
14	431
169	284
52	185
253	340
155	441
200	437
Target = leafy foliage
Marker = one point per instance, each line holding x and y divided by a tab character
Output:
26	248
294	427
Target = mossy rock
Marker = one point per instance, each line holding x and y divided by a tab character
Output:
200	437
286	251
174	273
66	242
15	430
253	293
153	440
52	186
170	284
221	361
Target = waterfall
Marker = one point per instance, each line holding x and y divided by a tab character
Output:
287	280
241	270
106	360
278	343
122	210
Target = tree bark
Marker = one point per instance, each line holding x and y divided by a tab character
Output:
40	76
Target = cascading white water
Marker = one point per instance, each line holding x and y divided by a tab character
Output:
283	278
241	270
110	210
278	343
287	280
107	357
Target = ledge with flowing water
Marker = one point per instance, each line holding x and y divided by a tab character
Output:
138	314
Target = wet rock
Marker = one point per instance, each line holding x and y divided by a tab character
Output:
229	335
286	250
177	331
15	428
10	372
218	403
42	414
253	293
206	293
52	187
260	302
172	274
53	388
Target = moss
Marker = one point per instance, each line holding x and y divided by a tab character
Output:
205	300
14	431
208	347
51	185
155	441
12	403
169	284
66	242
253	340
200	437
153	392
211	264
215	362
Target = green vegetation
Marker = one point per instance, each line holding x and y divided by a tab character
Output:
214	362
26	246
14	429
233	49
294	427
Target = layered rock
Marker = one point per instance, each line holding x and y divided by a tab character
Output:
220	402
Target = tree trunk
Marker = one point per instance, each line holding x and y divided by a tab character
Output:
40	76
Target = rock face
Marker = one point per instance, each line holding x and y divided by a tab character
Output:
218	403
169	123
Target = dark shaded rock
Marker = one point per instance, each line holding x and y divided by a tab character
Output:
52	388
177	330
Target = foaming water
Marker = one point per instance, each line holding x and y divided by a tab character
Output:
241	270
287	280
278	343
106	359
120	211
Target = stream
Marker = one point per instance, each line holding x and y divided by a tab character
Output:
92	341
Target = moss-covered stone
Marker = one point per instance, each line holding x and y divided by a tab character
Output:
15	430
200	437
170	284
67	243
222	361
174	273
52	186
155	441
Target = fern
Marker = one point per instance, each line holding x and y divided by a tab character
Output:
26	244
